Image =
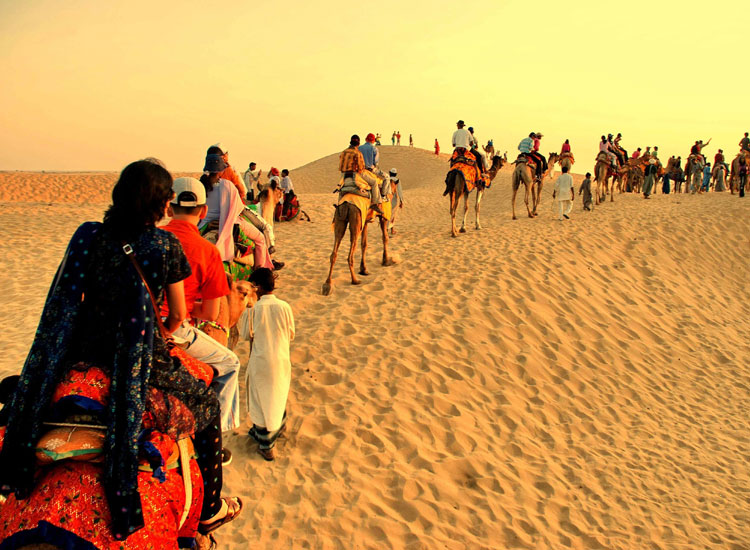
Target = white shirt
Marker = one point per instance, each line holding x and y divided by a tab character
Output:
251	178
564	187
269	369
462	138
286	184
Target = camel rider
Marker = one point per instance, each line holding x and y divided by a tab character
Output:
526	147
489	150
621	153
719	161
636	153
698	147
613	149
370	153
461	138
351	166
537	143
475	151
604	148
744	143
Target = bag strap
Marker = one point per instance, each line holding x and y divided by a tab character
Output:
130	253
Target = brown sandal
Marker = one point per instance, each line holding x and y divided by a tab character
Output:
234	507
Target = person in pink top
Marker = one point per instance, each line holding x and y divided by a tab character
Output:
565	147
604	148
636	153
537	155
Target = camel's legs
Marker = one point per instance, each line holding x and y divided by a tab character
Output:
480	194
537	194
454	206
355	223
466	210
529	191
513	201
339	228
384	231
362	264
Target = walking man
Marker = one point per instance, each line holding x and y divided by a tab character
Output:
563	190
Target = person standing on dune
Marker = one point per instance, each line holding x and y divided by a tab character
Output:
437	147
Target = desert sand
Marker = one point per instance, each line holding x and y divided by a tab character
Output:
536	384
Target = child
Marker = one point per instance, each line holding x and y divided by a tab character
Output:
271	325
585	189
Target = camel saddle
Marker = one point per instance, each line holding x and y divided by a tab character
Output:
528	161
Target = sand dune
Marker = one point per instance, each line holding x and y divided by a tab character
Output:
535	384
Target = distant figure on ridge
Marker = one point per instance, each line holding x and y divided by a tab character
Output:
437	147
411	141
398	137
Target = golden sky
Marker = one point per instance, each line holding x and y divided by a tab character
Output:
93	85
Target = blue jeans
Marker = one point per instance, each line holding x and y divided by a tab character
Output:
227	366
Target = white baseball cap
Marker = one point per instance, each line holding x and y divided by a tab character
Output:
188	192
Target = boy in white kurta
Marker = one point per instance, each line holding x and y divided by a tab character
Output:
269	368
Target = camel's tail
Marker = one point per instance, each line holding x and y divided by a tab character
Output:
453	179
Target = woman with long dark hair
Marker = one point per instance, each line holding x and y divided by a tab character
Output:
99	360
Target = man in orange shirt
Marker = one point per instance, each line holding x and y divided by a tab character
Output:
204	288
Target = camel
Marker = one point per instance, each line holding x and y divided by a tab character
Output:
523	174
497	164
347	215
383	223
224	329
601	174
351	208
566	159
456	185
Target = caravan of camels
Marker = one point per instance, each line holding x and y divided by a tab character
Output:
469	169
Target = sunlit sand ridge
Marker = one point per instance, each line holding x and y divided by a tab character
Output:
535	384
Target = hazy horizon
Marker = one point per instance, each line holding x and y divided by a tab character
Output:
92	87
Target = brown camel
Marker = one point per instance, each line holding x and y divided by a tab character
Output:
224	329
566	159
734	174
523	174
497	165
601	173
383	223
347	215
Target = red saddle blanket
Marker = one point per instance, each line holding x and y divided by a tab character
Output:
467	164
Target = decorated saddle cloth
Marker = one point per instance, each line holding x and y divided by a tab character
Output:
527	160
362	203
568	156
69	507
467	164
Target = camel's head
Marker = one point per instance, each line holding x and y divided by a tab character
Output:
244	293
